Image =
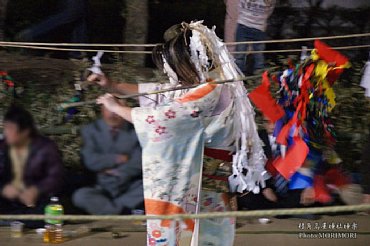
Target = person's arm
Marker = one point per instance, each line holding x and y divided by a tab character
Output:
114	87
125	88
4	168
54	173
133	167
131	170
93	159
111	104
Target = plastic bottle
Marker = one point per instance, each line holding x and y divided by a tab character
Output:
54	228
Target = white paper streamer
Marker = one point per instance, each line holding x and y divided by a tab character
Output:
205	46
365	81
249	152
96	67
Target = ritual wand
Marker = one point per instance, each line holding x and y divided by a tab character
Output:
89	102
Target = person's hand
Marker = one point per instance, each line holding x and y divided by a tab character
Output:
308	196
10	192
109	102
111	172
29	196
122	159
101	80
269	194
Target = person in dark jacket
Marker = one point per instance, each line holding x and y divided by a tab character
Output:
31	169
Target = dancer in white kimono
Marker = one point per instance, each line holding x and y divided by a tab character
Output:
178	129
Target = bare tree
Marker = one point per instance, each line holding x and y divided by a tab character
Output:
136	29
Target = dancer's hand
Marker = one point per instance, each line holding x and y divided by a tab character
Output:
109	102
101	80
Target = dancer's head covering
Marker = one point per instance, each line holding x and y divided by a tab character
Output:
176	53
193	54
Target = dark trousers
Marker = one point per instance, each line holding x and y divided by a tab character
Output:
17	208
244	33
258	201
255	202
73	13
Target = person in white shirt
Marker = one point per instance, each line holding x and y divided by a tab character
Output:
231	18
252	23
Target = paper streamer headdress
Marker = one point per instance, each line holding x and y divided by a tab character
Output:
196	55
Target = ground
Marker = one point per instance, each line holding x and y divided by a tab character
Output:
249	232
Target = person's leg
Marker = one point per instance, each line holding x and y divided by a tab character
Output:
290	200
94	201
259	58
132	198
242	35
252	201
38	209
72	11
79	34
293	200
9	207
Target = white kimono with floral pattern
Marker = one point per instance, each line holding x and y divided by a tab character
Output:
173	135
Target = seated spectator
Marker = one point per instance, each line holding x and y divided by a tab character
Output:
31	169
266	199
112	151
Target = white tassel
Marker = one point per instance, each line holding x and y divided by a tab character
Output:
365	82
247	141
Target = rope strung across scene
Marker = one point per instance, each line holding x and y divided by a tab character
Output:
78	104
256	213
300	50
149	52
77	50
152	45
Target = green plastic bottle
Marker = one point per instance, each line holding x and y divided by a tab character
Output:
54	228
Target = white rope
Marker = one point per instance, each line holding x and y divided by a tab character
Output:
292	40
78	44
149	52
77	50
255	213
300	50
152	45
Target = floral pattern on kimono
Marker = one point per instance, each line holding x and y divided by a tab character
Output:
173	137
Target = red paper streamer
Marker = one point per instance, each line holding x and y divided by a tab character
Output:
263	100
331	56
294	158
